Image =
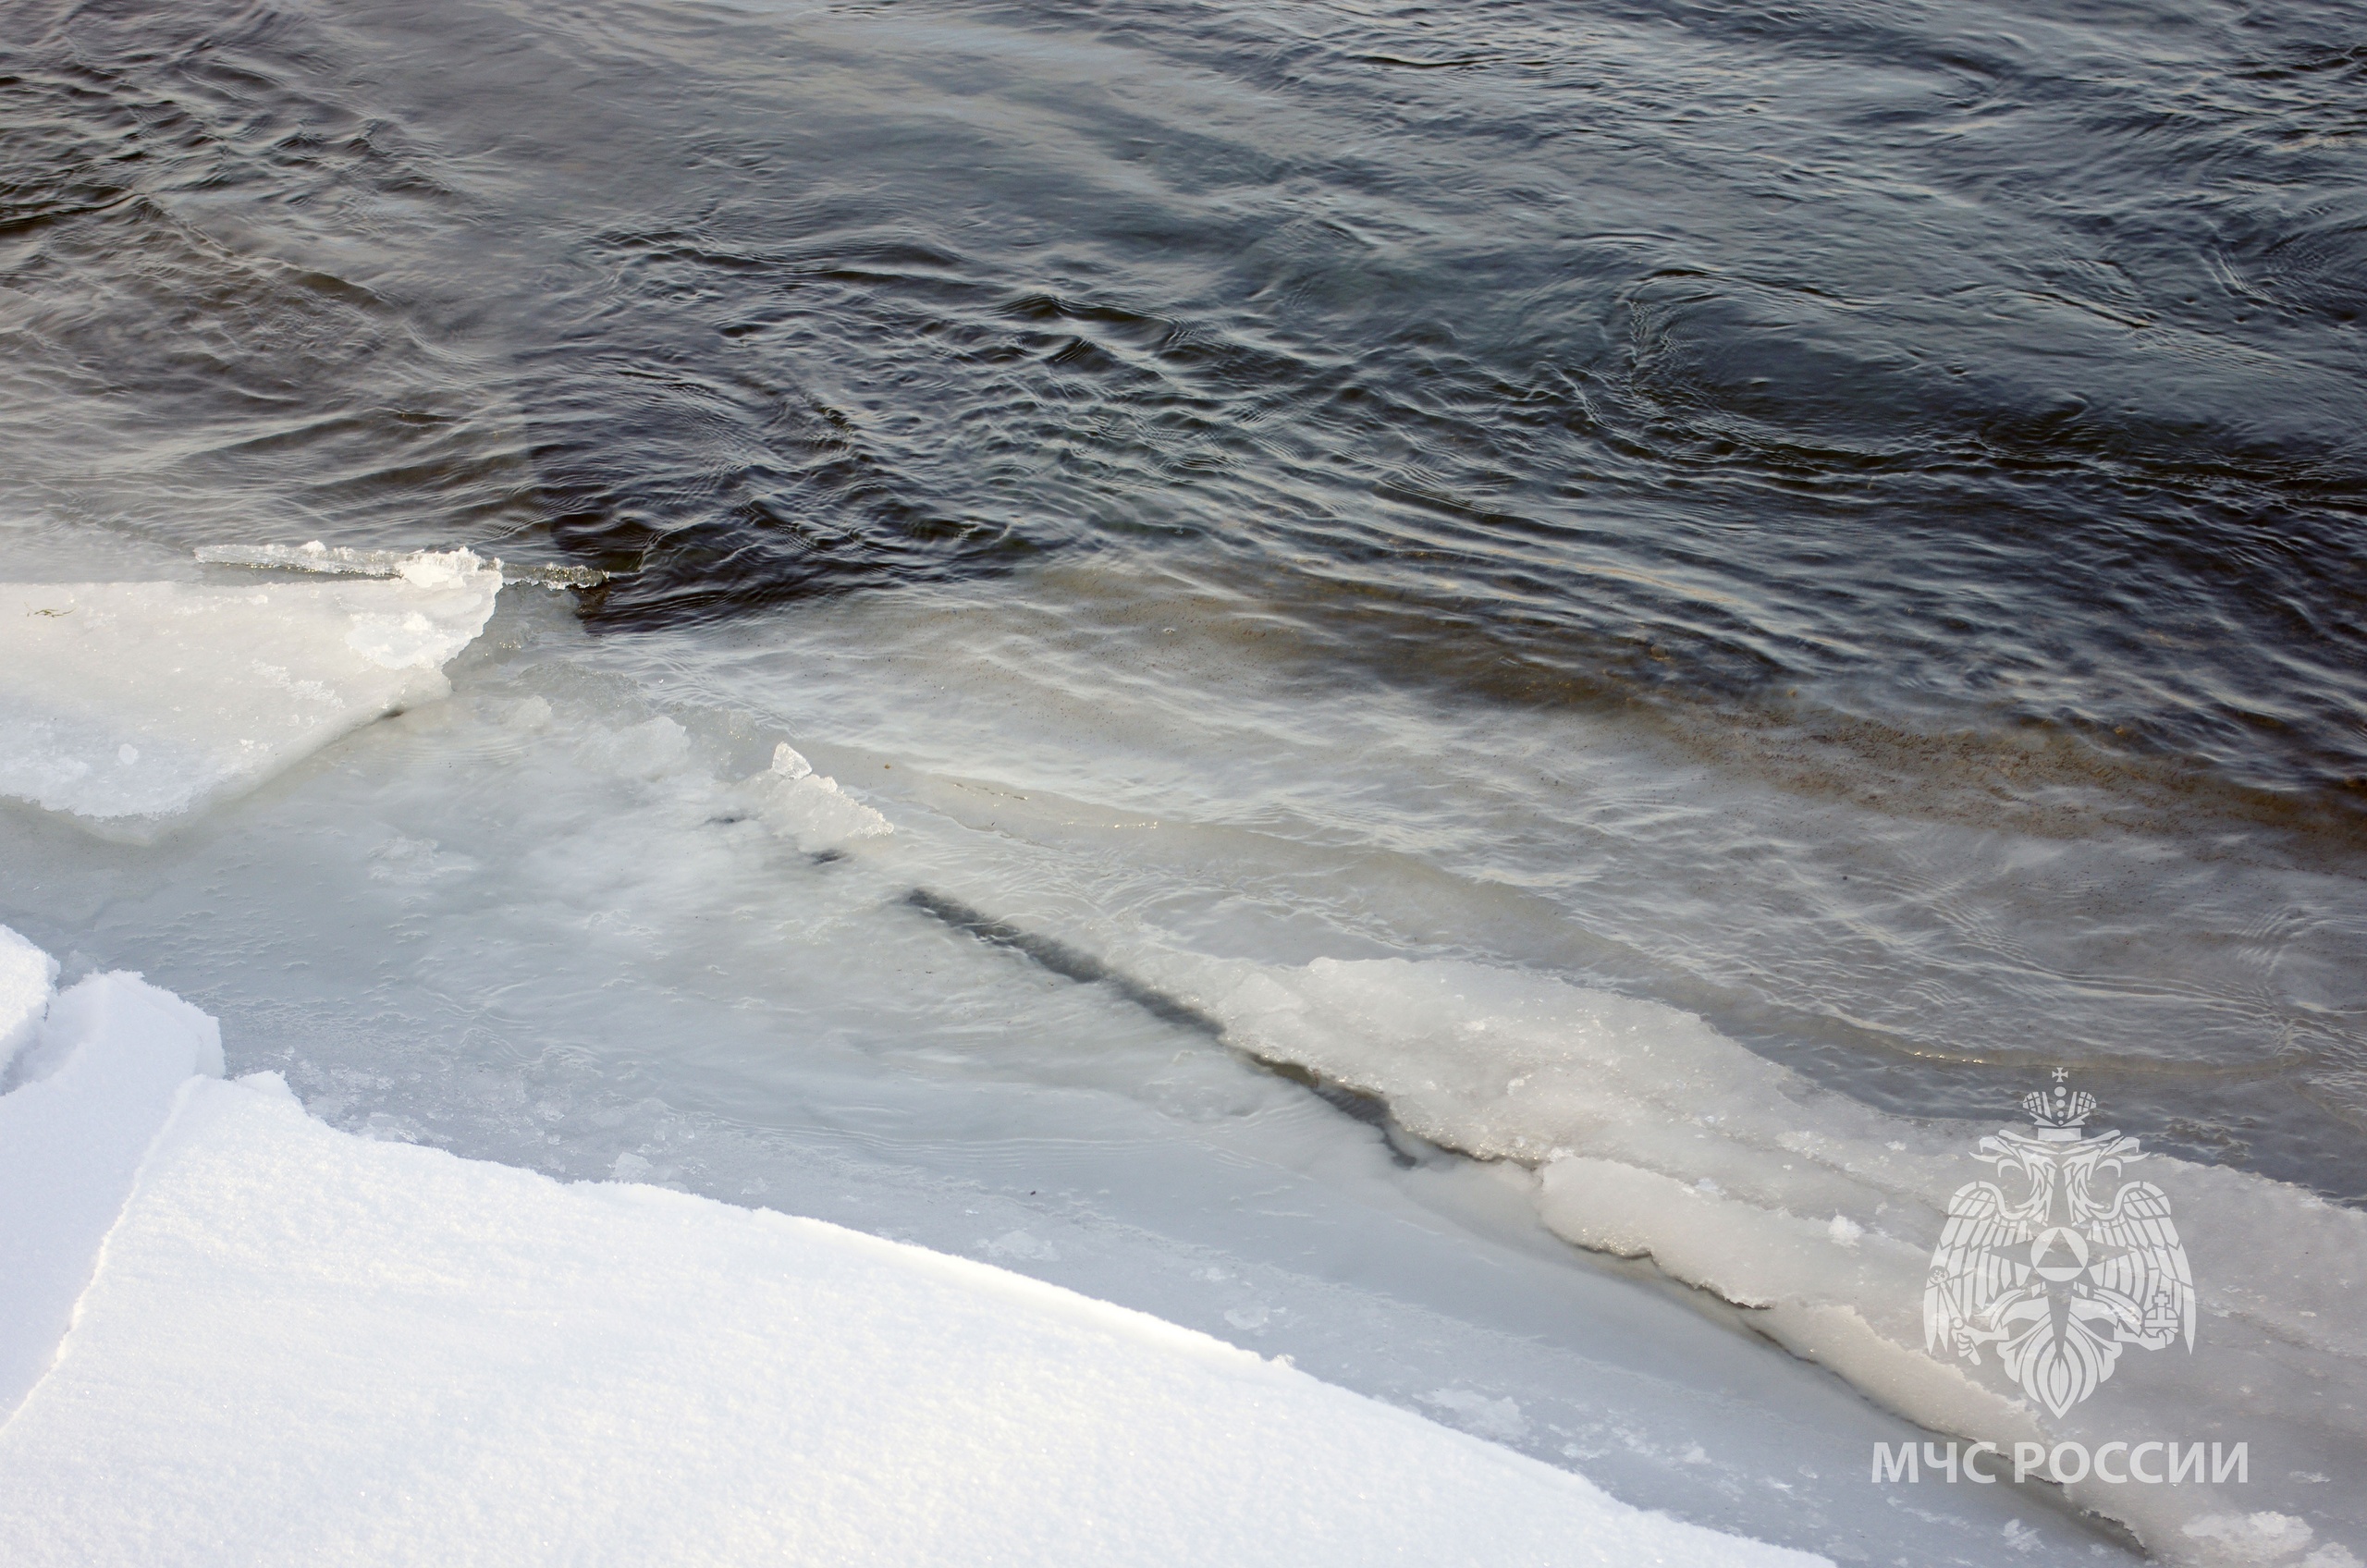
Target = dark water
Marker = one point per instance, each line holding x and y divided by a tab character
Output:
1959	365
1945	408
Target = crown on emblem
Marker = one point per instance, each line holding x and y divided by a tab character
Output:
2062	1111
2055	1277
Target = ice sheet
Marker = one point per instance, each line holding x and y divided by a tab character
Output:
306	1347
561	863
1653	1136
345	560
538	924
130	704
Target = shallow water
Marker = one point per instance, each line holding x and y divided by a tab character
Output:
1843	521
1947	414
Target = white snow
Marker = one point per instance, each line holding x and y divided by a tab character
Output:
25	973
1653	1134
130	704
105	1060
300	1346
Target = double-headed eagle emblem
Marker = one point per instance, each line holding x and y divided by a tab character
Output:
2057	1277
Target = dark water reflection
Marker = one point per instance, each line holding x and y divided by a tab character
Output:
1963	363
1998	361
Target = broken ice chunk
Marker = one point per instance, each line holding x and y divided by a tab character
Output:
129	704
807	807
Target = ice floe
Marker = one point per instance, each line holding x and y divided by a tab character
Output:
128	704
289	1344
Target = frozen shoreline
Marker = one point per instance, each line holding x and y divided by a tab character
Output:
1632	1127
296	1345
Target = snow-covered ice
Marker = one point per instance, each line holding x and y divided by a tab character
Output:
104	1062
301	1346
26	972
128	704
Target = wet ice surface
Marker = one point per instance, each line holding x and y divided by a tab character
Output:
289	1344
540	923
570	919
129	704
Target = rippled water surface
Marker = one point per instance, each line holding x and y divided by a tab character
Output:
1845	519
1954	365
1926	437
